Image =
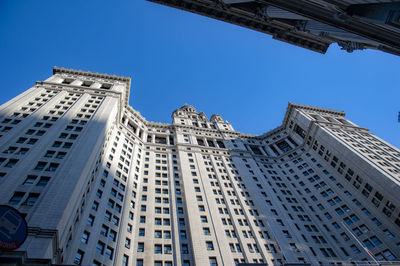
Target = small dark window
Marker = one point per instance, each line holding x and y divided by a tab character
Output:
106	86
67	81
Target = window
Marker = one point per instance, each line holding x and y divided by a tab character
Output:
140	247
10	150
57	144
16	198
355	249
22	151
376	221
49	154
115	220
213	261
376	241
167	249
206	231
389	255
85	237
167	234
21	140
125	260
109	253
79	257
158	234
104	230
67	145
52	167
30	180
368	244
90	220
67	81
95	205
112	235
107	216
157	249
183	234
61	155
105	86
100	248
32	198
209	245
185	249
127	243
86	83
142	232
388	233
40	166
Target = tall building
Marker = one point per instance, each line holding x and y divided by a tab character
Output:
101	185
311	24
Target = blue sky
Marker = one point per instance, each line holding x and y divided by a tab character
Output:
175	57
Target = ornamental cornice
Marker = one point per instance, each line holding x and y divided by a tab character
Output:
125	99
293	106
57	70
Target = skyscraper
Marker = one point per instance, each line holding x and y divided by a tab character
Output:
101	185
311	24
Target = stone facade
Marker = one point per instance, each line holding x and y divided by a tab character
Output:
101	185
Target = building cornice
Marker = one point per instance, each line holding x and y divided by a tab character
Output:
57	70
292	106
61	70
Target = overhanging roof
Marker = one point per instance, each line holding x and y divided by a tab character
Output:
311	24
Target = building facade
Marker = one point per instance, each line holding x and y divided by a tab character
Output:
101	185
311	24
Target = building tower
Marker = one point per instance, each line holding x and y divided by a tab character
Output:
101	185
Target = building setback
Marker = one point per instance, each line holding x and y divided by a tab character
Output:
101	185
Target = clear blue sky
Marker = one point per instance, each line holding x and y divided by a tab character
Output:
175	57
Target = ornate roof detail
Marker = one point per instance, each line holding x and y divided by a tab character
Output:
184	110
216	118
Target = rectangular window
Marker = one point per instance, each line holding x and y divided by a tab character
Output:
32	198
90	220
85	237
30	180
109	253
16	198
52	167
79	257
100	248
209	245
140	247
40	166
157	249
